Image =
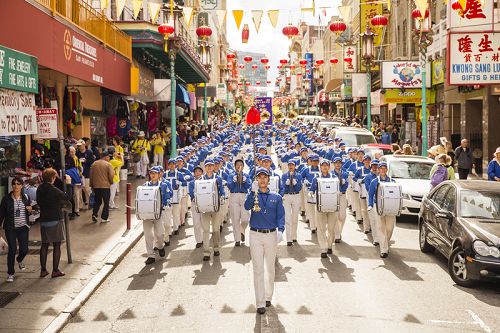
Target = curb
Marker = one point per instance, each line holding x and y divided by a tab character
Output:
112	260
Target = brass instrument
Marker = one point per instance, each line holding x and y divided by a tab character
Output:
235	118
256	207
265	116
239	176
292	114
279	116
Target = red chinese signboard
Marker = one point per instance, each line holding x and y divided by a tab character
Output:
472	15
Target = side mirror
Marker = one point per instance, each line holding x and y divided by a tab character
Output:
444	214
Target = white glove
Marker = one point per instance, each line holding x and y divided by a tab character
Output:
310	194
287	183
307	182
294	182
244	178
279	237
224	183
235	178
187	178
370	208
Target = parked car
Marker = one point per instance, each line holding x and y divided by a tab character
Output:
461	219
354	137
374	148
413	173
310	119
329	125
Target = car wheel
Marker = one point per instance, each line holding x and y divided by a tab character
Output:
457	268
424	245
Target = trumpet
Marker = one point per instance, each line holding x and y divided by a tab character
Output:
265	116
256	207
279	116
235	118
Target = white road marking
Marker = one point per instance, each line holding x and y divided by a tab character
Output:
447	322
478	321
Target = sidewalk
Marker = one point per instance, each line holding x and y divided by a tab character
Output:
96	250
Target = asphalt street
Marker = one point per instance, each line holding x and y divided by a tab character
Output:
354	290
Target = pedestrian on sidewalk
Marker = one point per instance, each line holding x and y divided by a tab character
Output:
463	155
14	211
494	167
51	201
116	162
101	179
158	143
86	159
76	188
141	148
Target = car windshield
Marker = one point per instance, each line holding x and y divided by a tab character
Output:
410	169
356	139
480	204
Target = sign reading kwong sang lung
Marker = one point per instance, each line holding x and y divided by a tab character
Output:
474	58
404	74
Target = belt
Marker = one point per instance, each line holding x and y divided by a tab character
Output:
238	192
292	193
263	231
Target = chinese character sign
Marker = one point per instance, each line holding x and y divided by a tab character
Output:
309	58
369	9
404	74
474	58
350	58
265	104
472	15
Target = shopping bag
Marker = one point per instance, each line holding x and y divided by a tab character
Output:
4	248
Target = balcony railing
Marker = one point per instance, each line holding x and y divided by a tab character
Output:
92	22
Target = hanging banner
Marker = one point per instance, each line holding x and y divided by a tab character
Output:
273	17
245	34
120	4
46	121
309	58
265	105
350	59
359	87
422	6
474	15
17	113
154	10
18	71
220	15
437	72
368	10
238	17
473	58
408	96
257	17
187	12
136	7
404	74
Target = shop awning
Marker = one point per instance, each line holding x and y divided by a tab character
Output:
333	84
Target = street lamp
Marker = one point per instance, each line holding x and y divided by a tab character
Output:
204	32
368	54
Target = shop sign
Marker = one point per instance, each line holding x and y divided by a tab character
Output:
359	86
302	102
46	121
475	15
208	4
141	82
220	92
18	71
346	90
408	96
334	97
17	113
404	74
474	58
322	96
437	72
350	59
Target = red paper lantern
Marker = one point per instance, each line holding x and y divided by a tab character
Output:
283	61
240	83
257	83
299	74
231	56
292	66
303	62
290	31
242	66
416	14
264	61
379	21
278	79
204	32
247	84
320	62
348	59
254	66
308	70
267	67
338	27
245	34
279	66
247	58
166	29
334	60
253	116
268	82
455	5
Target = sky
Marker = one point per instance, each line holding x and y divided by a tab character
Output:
271	41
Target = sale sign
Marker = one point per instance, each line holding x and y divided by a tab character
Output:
46	120
17	113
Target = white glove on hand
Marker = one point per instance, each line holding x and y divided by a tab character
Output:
255	186
244	178
307	182
310	194
370	208
287	182
294	182
187	178
279	237
235	178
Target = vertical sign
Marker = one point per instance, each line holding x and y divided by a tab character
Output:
309	58
350	58
46	121
369	9
265	104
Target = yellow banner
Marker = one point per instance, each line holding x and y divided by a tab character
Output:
273	17
187	12
154	10
238	17
104	4
437	72
120	4
368	10
136	6
257	18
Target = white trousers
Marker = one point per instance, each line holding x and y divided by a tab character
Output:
385	228
113	188
356	205
197	226
291	202
303	199
263	249
365	215
153	234
158	159
77	197
166	218
239	215
86	190
326	229
374	222
341	216
213	219
141	167
176	216
184	207
311	215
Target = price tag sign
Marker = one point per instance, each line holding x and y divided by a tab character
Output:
17	113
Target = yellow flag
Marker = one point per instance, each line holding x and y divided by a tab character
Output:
154	10
422	6
273	17
104	4
136	6
257	18
238	17
187	12
120	4
221	17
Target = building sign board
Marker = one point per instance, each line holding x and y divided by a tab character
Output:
18	71
350	58
474	15
404	74
17	113
408	96
46	121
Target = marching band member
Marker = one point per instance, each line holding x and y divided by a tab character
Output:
291	185
213	219
325	221
385	223
343	176
359	177
372	214
175	178
166	214
188	176
239	185
153	229
267	223
356	204
308	175
197	223
141	147
221	172
301	165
